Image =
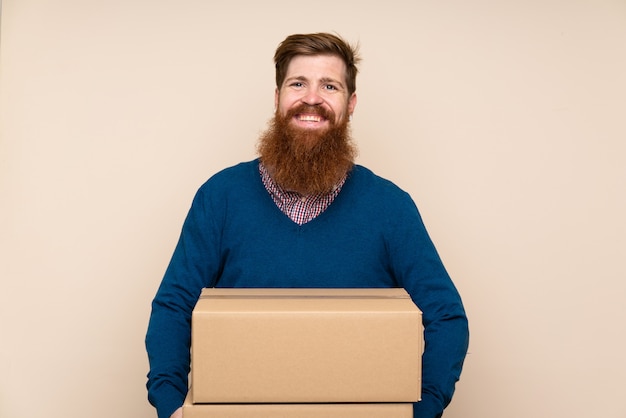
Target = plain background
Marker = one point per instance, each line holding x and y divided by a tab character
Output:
505	120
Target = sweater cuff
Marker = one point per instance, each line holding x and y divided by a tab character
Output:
166	400
427	408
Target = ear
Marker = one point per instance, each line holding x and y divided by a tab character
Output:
351	103
276	94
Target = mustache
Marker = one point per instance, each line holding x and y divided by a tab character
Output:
311	110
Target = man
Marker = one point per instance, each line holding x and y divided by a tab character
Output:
304	215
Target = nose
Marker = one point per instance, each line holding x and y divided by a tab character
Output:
312	97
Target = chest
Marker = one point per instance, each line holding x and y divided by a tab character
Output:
349	254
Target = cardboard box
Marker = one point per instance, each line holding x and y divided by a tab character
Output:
306	346
320	410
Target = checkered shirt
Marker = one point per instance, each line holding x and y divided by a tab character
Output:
299	208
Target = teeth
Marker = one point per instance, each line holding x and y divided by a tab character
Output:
310	118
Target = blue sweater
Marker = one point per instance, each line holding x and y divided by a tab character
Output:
371	236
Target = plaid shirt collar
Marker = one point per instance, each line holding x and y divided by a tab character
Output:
299	208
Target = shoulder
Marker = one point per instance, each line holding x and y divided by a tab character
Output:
235	173
371	184
388	205
382	197
236	176
228	185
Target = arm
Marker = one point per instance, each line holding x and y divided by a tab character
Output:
193	266
419	270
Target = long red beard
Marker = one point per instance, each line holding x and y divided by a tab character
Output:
307	161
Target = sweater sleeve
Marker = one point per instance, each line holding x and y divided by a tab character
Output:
419	269
194	265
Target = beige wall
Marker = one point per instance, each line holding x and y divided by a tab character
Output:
504	119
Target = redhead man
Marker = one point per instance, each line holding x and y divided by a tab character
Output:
305	215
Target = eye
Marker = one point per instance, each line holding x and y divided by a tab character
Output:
296	84
330	87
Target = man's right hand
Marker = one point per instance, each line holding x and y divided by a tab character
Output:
178	413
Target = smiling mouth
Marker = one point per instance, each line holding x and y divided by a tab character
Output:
309	118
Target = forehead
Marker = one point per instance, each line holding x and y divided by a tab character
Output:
317	67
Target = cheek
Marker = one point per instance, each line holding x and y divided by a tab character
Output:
284	104
283	109
339	111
